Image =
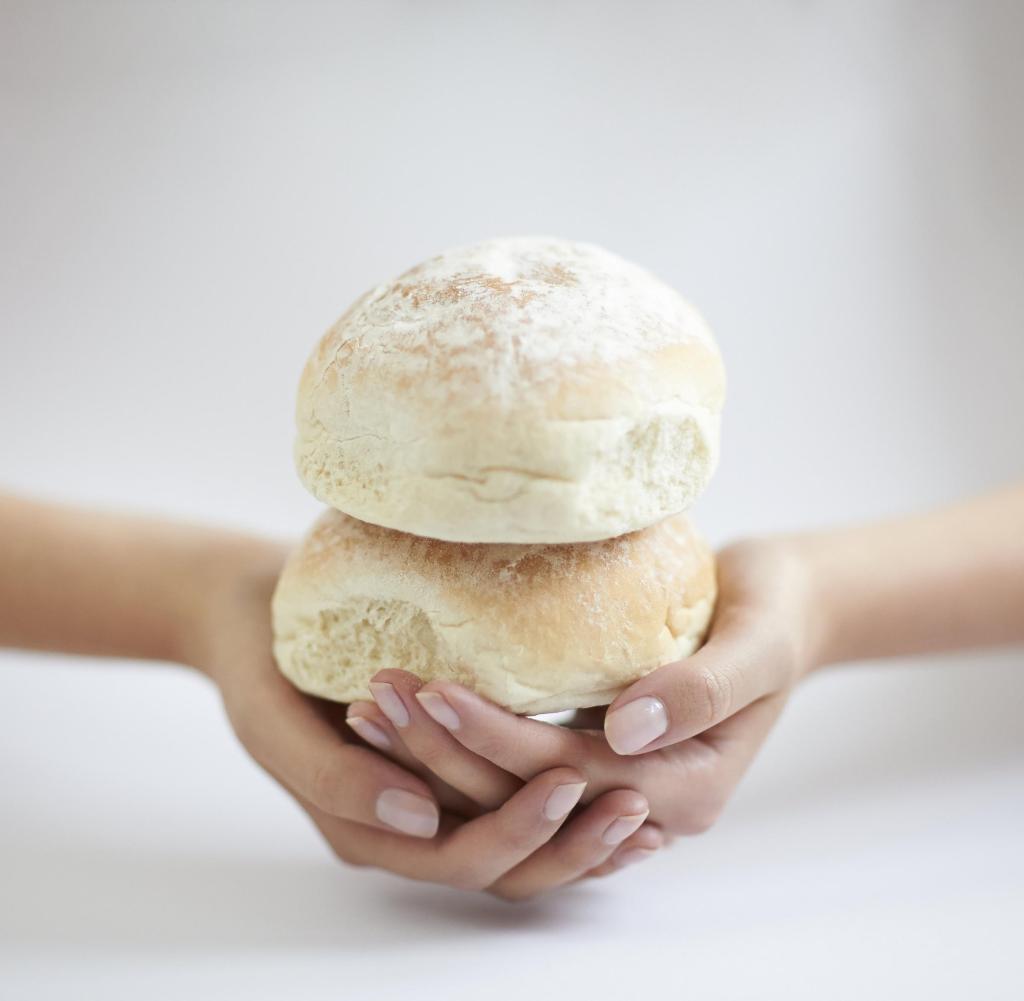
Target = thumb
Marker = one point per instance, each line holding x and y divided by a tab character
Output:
685	698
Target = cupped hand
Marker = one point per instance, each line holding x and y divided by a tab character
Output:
760	644
718	707
375	812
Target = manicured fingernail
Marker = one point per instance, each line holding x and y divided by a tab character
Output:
620	829
438	709
632	855
635	725
390	702
407	812
563	799
370	732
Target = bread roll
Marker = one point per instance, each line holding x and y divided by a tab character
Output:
520	390
535	628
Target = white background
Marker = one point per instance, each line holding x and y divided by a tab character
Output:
192	192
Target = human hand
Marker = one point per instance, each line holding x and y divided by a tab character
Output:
760	644
758	638
370	810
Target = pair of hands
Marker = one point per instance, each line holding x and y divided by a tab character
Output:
434	783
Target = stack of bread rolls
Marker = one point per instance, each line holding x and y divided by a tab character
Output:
507	437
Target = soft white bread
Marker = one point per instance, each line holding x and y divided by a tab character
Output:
519	390
535	628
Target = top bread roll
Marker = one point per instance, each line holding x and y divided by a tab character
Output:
519	390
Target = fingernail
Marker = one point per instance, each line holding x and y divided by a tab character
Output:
407	812
563	799
620	829
438	709
635	725
370	732
390	702
633	855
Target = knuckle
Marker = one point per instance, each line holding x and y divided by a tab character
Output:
573	855
509	894
344	854
243	722
465	877
699	823
429	752
515	840
714	696
490	746
324	785
695	818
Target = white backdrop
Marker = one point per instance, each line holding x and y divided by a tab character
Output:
193	191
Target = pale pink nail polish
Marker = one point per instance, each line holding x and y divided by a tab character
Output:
438	708
408	813
390	702
622	827
632	856
370	732
562	799
636	724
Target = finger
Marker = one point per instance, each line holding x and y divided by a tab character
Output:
516	744
710	767
367	721
471	855
643	845
686	698
485	849
284	733
582	845
738	739
418	716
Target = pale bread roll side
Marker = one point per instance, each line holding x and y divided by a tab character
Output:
535	628
519	390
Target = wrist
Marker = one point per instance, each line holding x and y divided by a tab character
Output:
821	612
766	584
228	574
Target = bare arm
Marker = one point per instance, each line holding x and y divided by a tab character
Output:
93	583
941	581
946	580
84	582
685	734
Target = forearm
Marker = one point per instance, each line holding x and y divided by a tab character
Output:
94	583
947	580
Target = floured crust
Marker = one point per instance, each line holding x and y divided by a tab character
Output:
520	390
535	628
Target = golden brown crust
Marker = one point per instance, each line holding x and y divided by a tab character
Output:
534	627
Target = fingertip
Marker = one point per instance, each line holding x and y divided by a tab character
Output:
630	856
388	698
408	813
566	788
630	727
439	709
649	837
626	802
454	692
397	676
563	774
638	847
373	733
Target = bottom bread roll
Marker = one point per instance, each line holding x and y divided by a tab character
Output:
534	628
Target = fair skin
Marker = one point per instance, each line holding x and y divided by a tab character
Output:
434	783
952	579
106	585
